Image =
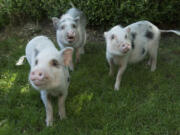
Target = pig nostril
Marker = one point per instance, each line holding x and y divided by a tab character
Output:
32	73
40	74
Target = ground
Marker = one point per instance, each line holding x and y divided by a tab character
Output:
147	102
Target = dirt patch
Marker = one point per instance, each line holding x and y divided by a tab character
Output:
30	30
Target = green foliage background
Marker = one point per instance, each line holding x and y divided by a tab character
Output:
100	13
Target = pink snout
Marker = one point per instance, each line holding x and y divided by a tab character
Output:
38	77
126	47
71	36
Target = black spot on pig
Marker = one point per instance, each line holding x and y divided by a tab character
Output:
149	34
68	79
132	44
143	51
125	36
35	52
133	35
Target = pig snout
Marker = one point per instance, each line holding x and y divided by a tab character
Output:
126	48
38	76
71	36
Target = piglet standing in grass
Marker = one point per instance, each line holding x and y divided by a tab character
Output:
71	31
49	73
131	44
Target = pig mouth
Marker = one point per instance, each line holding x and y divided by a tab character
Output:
125	51
71	39
39	83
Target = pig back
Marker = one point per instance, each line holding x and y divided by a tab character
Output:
74	12
143	36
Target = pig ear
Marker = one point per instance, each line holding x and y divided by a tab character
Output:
66	54
105	34
55	22
77	19
128	30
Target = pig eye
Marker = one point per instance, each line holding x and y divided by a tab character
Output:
36	62
74	26
54	63
62	27
112	37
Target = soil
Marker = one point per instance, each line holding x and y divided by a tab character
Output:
30	30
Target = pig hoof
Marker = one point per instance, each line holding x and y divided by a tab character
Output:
153	69
111	74
63	117
149	63
49	123
71	68
116	88
77	61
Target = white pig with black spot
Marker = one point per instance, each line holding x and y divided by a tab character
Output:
49	73
131	44
71	31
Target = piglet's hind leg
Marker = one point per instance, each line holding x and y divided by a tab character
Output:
48	107
119	76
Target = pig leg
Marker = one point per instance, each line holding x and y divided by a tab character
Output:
83	44
121	70
71	66
77	55
82	50
48	107
153	56
153	62
149	61
61	105
111	67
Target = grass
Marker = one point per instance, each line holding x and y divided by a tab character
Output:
148	103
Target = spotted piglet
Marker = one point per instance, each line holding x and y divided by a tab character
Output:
131	44
71	31
49	73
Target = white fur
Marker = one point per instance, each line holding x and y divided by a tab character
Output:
42	49
146	40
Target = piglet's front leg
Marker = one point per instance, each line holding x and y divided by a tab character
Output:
77	55
111	67
61	105
121	70
48	107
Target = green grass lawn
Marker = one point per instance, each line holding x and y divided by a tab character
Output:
148	103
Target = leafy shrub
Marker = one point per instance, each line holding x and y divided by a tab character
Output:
104	13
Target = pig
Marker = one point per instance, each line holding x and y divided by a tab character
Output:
71	31
131	44
49	73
